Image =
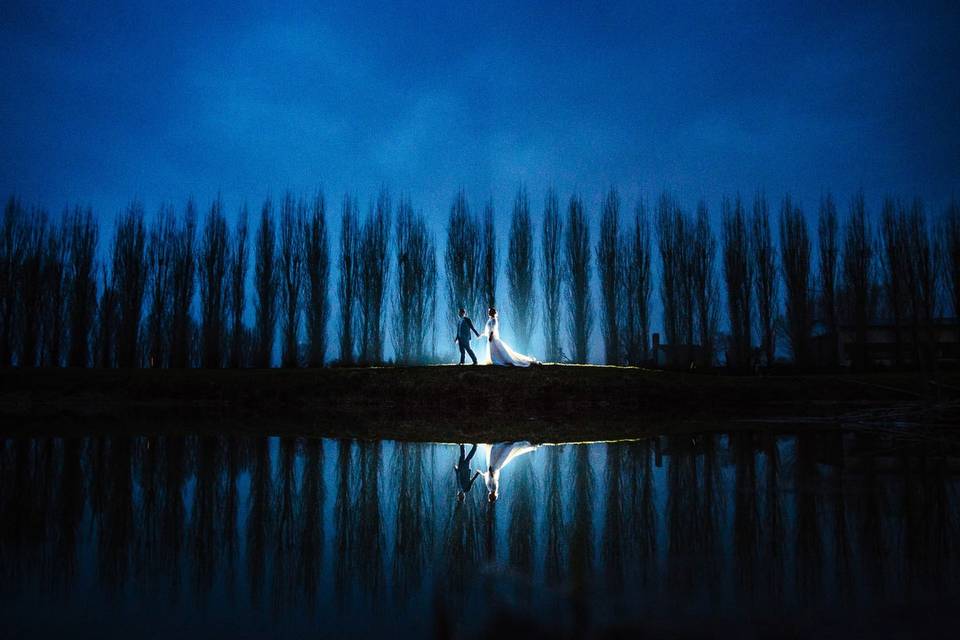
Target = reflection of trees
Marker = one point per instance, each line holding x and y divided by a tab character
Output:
203	520
229	508
772	529
69	502
581	526
358	521
745	517
684	525
611	543
115	499
520	524
284	534
368	520
462	535
137	489
809	547
148	561
258	517
343	540
643	524
841	540
707	544
412	529
870	527
44	487
694	511
310	519
19	525
553	517
172	516
925	538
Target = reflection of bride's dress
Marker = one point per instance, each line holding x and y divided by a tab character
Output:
499	352
498	456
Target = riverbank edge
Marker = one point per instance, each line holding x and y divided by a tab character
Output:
446	403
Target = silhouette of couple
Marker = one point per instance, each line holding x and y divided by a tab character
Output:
498	351
498	456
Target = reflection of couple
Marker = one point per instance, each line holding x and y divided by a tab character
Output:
498	456
498	351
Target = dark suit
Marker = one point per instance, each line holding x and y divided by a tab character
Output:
463	469
463	338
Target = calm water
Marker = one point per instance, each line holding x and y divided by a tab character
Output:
816	534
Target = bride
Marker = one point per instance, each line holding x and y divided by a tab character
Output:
498	351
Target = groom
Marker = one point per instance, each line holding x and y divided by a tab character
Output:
463	336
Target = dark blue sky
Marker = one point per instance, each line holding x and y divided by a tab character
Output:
103	103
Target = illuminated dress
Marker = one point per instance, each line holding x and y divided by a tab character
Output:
499	352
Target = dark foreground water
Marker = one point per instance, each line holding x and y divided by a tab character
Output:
210	536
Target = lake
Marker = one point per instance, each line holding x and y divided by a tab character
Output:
808	533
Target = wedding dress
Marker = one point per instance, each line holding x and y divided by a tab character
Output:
499	352
498	456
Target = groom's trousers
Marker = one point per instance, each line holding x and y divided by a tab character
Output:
465	349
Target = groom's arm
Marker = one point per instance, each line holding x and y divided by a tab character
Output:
473	328
475	474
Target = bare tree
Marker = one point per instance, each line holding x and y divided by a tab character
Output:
738	273
55	291
129	281
670	237
30	287
160	254
638	283
11	260
317	253
858	275
951	249
462	258
703	259
828	261
183	285
609	270
265	287
923	270
577	277
349	276
521	269
237	296
292	216
489	258
416	285
213	272
795	258
894	263
675	237
766	276
108	311
83	286
374	276
551	274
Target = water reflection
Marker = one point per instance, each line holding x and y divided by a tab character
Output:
287	535
498	457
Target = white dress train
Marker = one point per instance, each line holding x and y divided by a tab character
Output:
498	456
499	352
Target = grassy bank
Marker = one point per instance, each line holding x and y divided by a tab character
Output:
447	402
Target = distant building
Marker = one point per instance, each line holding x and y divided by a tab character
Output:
677	356
881	344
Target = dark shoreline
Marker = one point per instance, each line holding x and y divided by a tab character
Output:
448	403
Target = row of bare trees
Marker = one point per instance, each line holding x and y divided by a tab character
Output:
60	304
899	270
